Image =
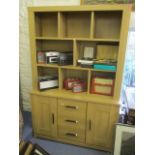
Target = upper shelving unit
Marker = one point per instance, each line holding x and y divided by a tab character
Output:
79	31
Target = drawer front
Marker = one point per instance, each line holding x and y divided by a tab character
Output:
71	108
71	133
72	122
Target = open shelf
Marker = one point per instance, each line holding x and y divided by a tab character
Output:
54	45
81	75
99	86
102	49
46	24
75	24
47	71
107	24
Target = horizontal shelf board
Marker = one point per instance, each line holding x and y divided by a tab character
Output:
73	67
83	96
87	69
79	39
97	39
101	70
53	38
105	7
48	65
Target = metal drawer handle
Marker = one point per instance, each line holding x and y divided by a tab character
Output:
72	134
72	107
72	121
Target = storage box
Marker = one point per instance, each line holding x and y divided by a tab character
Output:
48	82
103	86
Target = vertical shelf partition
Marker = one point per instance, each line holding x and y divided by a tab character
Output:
92	25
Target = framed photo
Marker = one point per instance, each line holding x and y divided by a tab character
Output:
124	140
95	2
89	52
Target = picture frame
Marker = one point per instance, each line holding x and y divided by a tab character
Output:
89	52
97	2
124	133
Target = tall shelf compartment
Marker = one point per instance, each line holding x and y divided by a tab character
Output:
71	29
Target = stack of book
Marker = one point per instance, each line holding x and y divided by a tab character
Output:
86	63
105	64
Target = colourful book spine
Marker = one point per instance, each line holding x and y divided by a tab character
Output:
105	67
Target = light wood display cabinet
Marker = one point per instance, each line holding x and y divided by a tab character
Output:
84	118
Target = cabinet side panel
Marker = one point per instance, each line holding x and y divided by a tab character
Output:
121	53
33	48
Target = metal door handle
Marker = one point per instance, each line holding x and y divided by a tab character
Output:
52	118
72	121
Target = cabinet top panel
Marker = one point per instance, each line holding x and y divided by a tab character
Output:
93	98
105	7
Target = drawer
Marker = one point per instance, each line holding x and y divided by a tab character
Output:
71	108
71	122
72	134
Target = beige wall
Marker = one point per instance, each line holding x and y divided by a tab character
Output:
24	53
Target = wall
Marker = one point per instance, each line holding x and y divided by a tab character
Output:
24	53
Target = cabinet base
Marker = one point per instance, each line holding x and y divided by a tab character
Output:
74	143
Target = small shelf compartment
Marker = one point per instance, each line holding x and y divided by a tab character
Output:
46	24
102	83
102	51
57	45
107	24
47	78
75	24
73	76
54	52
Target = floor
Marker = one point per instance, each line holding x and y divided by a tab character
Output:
55	148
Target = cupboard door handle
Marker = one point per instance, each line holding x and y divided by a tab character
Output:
53	118
72	121
71	107
89	124
72	134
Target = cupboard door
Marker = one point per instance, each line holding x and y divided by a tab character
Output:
98	125
53	116
44	115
